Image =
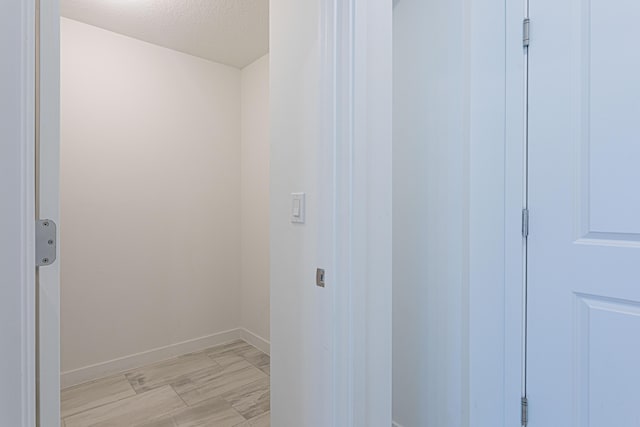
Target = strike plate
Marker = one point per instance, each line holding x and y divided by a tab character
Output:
320	277
45	242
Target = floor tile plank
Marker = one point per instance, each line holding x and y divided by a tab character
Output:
168	371
215	382
213	412
223	386
263	420
232	347
165	421
258	359
250	400
129	411
234	351
228	359
93	394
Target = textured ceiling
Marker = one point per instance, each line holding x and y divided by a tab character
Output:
233	32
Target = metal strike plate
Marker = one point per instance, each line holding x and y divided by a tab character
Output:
45	242
320	277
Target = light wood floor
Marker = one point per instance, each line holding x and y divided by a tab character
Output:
224	386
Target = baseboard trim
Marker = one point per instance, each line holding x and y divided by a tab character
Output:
395	424
255	340
115	366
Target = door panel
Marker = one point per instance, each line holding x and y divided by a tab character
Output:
609	114
584	246
605	353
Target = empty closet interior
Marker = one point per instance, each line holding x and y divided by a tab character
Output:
164	181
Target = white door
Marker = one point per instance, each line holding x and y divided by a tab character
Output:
584	199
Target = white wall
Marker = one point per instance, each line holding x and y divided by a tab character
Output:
301	355
331	138
150	196
255	198
430	215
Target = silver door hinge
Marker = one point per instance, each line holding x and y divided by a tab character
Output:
525	32
45	242
525	223
524	407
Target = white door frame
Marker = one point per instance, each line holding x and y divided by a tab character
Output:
496	83
492	368
362	43
17	214
38	390
49	208
495	212
356	69
513	323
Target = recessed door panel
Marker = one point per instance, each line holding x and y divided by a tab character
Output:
610	103
584	244
604	351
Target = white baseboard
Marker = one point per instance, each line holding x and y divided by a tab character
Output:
255	340
115	366
395	424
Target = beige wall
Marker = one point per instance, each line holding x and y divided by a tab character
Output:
150	197
255	198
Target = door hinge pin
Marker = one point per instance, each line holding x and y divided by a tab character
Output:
525	223
525	32
524	406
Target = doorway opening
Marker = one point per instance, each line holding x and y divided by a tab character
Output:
164	199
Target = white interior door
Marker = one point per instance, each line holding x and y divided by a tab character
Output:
584	244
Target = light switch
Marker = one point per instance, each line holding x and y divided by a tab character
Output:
297	208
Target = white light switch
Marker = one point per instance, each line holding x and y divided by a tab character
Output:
297	208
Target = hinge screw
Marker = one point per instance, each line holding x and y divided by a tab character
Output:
45	260
50	242
45	224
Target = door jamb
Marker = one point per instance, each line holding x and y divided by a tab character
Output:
514	196
496	182
27	217
49	208
357	44
495	273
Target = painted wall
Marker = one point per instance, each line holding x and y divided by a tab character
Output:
430	214
301	353
150	197
254	271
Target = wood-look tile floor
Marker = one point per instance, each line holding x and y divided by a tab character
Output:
224	386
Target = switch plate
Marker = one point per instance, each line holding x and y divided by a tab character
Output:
297	208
